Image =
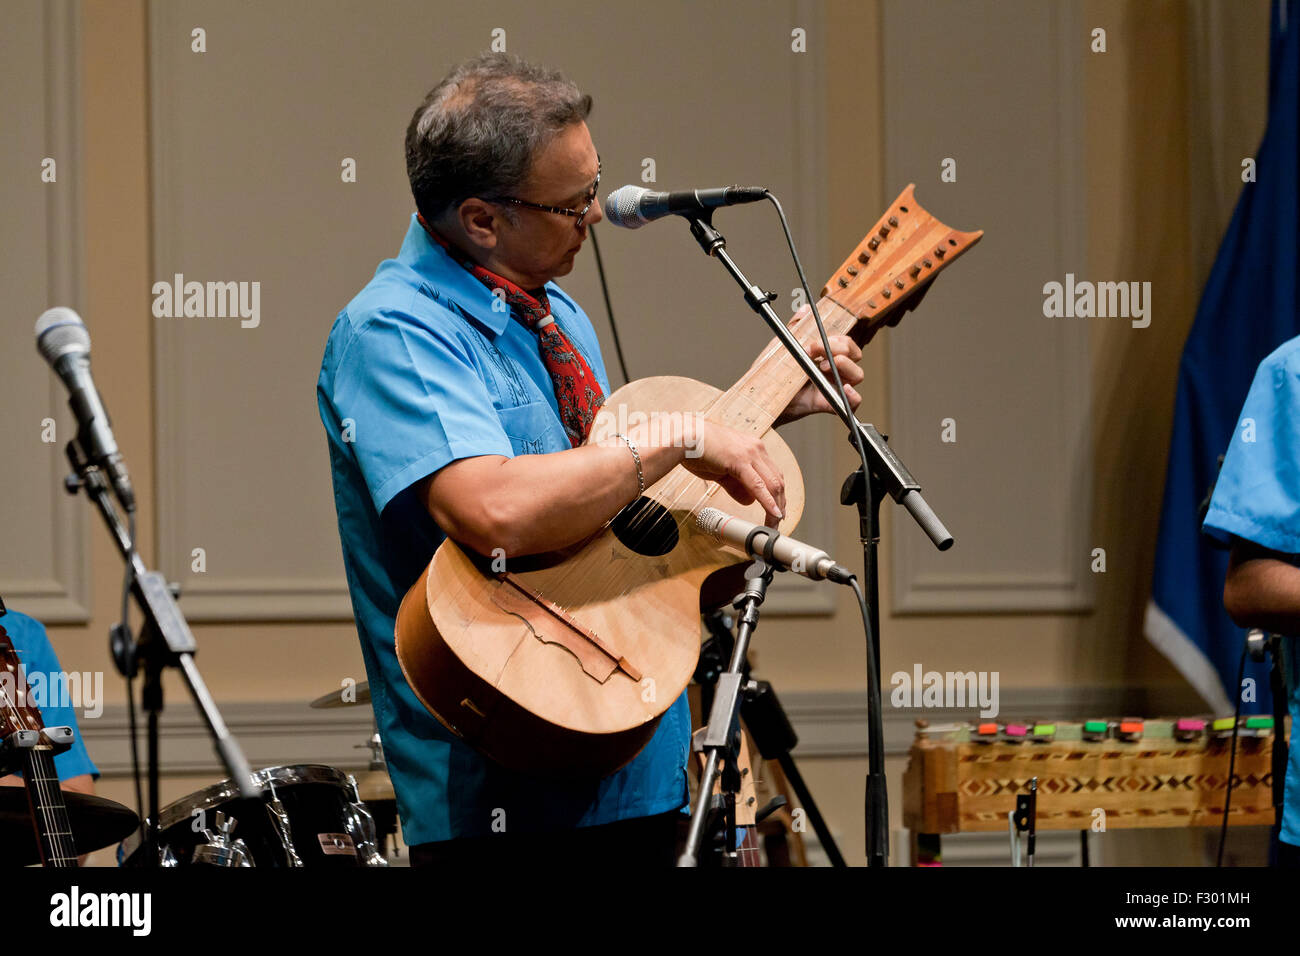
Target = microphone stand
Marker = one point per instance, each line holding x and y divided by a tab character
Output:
165	641
886	475
721	740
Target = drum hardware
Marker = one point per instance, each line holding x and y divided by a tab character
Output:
221	849
362	830
375	793
281	821
313	817
374	797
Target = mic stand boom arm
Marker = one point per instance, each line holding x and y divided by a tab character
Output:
166	641
886	474
893	475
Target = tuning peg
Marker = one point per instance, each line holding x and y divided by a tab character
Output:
863	258
844	283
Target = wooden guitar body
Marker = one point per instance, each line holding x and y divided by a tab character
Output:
564	663
515	678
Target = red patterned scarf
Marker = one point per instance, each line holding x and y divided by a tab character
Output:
576	389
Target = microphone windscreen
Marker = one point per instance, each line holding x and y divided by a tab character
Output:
709	520
59	331
622	207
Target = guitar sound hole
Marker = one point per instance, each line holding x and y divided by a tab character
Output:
645	527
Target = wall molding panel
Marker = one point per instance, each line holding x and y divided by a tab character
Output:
46	570
1015	485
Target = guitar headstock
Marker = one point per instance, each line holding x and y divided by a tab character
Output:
903	252
16	711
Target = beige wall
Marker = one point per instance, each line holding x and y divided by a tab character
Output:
1136	142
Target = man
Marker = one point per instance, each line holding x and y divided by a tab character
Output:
1256	509
456	390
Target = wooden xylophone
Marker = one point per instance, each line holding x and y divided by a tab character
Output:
1140	773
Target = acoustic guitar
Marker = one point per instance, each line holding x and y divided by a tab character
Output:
28	745
563	663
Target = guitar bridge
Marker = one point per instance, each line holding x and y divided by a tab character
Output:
594	655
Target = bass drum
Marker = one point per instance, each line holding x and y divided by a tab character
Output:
307	815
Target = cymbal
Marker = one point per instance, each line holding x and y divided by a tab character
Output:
374	787
359	694
96	823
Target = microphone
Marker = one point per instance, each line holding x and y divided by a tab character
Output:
632	207
63	341
757	540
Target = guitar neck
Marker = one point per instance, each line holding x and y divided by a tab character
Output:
49	813
901	255
754	402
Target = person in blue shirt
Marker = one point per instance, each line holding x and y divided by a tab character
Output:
1255	508
74	767
456	390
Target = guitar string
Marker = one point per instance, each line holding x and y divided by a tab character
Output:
725	404
652	516
649	519
827	307
682	483
52	824
37	779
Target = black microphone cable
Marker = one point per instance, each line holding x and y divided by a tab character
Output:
876	741
609	309
1232	756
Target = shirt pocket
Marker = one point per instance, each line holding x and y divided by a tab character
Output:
528	427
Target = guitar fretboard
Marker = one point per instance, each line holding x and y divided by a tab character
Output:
54	830
901	255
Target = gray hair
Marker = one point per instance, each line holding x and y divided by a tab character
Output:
477	131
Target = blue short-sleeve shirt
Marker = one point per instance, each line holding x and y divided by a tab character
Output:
425	367
36	654
1257	497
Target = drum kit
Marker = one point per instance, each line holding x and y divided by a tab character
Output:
305	815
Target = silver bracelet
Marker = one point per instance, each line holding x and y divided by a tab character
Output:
640	478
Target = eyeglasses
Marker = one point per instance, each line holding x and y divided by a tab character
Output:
581	214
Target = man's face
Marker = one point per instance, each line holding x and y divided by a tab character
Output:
540	245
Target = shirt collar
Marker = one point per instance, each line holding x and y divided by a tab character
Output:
450	279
